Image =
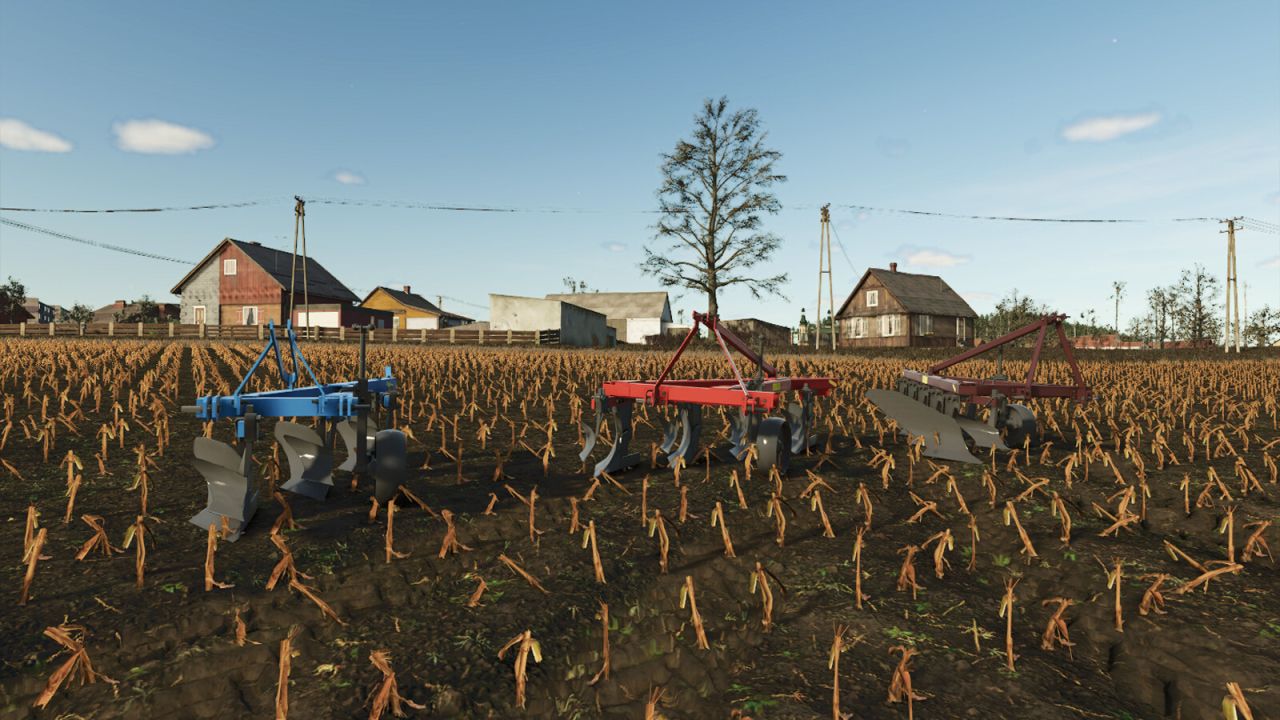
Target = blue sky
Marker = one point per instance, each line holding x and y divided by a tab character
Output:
1092	109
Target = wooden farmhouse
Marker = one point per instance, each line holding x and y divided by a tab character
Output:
888	308
411	311
247	283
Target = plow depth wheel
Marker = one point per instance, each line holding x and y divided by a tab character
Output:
1019	424
773	444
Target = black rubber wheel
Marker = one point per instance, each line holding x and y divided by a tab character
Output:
773	444
1019	424
390	463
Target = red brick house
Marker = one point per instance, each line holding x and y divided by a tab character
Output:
247	283
888	308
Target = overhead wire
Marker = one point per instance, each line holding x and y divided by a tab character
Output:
172	208
92	243
1016	218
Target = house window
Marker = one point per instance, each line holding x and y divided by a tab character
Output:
924	324
859	327
229	267
873	298
199	314
960	328
888	325
248	315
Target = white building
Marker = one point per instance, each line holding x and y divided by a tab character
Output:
634	315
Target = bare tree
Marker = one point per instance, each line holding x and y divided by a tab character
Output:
1264	324
1197	312
713	198
1160	302
1118	287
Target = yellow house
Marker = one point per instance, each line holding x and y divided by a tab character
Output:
410	311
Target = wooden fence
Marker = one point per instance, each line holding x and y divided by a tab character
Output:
447	336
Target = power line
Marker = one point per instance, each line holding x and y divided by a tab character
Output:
844	252
1013	218
92	243
174	208
416	205
1256	225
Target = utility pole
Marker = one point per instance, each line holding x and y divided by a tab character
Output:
1233	290
299	230
824	268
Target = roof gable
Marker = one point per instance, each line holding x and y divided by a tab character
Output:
926	294
278	264
413	300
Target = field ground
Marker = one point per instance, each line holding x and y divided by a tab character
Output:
1176	451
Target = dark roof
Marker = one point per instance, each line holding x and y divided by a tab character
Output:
413	300
928	294
277	264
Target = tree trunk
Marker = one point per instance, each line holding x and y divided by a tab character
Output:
713	305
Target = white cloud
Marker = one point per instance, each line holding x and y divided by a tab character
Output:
346	177
17	135
1270	263
157	137
930	257
614	246
1109	127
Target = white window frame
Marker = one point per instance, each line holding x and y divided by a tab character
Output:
888	325
873	298
859	327
257	316
926	324
229	266
199	314
960	328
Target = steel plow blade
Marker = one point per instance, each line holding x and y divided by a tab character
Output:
982	434
620	456
347	431
231	494
690	429
310	460
943	437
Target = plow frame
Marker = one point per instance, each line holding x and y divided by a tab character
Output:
763	393
776	438
343	411
980	391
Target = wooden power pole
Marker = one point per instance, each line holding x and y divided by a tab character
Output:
824	268
1232	329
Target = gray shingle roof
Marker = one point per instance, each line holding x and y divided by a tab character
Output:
927	294
620	304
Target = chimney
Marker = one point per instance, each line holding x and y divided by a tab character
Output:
121	303
406	289
893	267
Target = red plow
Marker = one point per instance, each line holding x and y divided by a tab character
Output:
944	410
775	437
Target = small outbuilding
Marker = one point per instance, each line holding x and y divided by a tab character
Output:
633	315
578	326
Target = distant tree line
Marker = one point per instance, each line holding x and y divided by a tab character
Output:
1189	309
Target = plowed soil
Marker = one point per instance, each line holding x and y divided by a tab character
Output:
169	648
